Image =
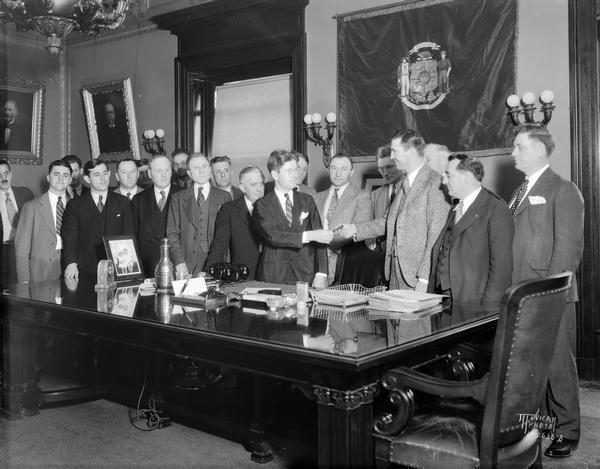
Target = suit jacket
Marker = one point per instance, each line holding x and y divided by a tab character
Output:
150	226
19	140
480	258
285	259
549	230
183	226
270	186
22	195
138	189
237	192
417	220
83	228
35	242
235	232
84	189
380	202
354	206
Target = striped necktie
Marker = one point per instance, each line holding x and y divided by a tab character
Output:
288	208
519	197
11	211
162	201
60	209
332	206
200	198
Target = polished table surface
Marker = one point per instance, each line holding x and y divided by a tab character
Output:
338	356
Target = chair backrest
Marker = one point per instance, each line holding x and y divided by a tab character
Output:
356	263
530	316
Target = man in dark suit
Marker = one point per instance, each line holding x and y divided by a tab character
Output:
76	188
472	258
12	200
191	219
221	176
290	226
38	243
234	229
548	213
150	210
113	135
89	218
13	134
302	172
127	176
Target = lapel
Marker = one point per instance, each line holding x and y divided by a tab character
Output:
472	214
346	199
278	209
89	209
417	186
244	214
540	187
190	206
46	211
296	211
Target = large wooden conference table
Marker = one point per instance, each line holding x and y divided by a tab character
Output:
342	379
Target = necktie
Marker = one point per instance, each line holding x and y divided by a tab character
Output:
129	195
332	206
288	208
100	204
393	193
12	215
458	213
520	195
60	209
162	201
405	186
200	198
7	134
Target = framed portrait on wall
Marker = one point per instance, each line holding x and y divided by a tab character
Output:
110	120
22	123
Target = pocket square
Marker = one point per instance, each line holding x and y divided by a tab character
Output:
536	200
118	215
303	216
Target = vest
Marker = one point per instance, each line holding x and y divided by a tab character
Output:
442	271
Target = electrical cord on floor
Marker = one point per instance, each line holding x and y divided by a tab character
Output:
147	419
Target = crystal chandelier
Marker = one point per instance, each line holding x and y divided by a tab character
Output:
55	19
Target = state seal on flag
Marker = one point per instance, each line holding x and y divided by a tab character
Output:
423	76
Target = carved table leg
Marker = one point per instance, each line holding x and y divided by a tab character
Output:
261	450
345	426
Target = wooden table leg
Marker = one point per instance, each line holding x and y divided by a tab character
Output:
261	450
12	377
345	426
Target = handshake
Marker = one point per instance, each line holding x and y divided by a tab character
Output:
339	233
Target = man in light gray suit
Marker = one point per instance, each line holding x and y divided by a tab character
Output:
341	203
414	220
38	244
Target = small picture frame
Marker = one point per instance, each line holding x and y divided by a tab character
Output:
110	120
123	252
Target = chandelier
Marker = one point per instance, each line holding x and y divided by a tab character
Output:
55	19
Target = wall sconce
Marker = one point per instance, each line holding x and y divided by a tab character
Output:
528	107
312	130
154	141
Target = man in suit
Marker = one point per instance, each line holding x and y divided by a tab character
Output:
383	196
76	188
414	220
341	203
548	214
192	215
221	176
38	244
127	176
234	229
150	209
89	218
437	157
472	258
302	172
13	134
12	200
291	228
180	177
113	135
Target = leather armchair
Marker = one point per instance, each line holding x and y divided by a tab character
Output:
481	423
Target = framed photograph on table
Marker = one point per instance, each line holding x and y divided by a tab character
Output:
110	120
123	252
22	123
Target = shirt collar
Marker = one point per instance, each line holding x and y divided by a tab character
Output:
413	175
535	176
340	189
157	191
468	200
249	204
95	195
205	188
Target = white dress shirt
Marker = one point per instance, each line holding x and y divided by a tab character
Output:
96	197
468	200
413	175
249	204
205	188
53	202
8	231
132	192
158	195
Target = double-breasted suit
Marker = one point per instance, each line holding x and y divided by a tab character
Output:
35	242
150	226
354	206
412	226
84	226
285	259
190	237
235	232
480	251
549	240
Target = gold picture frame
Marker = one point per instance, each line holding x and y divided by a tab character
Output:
21	139
111	139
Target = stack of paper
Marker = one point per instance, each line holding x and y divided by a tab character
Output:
340	298
406	301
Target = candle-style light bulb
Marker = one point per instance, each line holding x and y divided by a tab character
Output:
331	118
528	98
150	134
307	119
316	118
547	96
513	100
160	133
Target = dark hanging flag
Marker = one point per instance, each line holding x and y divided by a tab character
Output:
442	67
